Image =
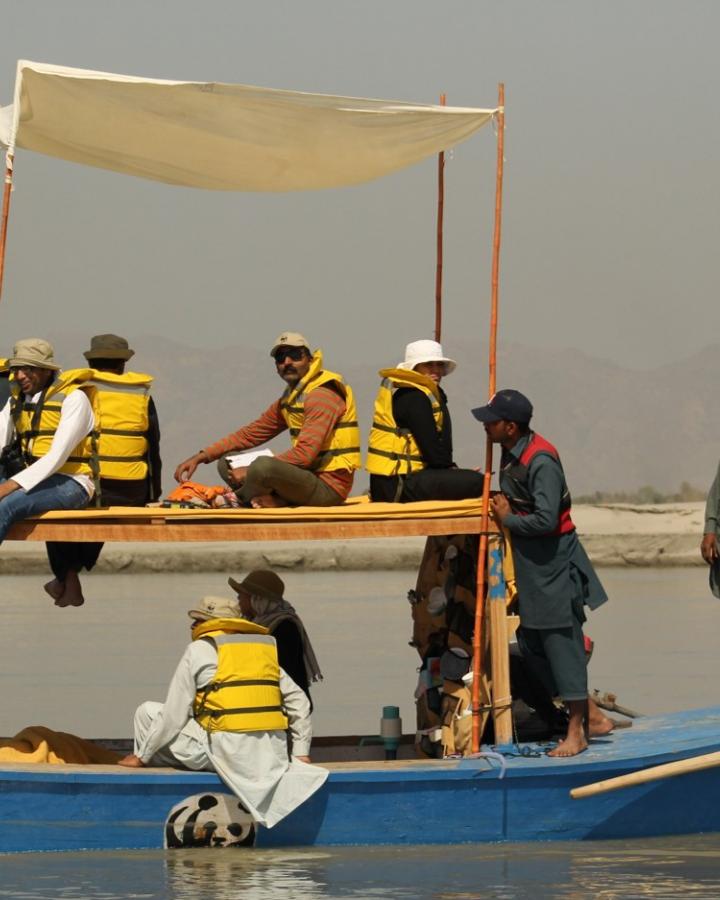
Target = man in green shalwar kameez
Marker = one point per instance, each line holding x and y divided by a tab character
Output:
711	531
555	578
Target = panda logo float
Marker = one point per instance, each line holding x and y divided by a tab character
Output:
209	820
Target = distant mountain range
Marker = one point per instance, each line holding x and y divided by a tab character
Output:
616	428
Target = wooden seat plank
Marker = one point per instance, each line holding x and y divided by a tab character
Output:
158	530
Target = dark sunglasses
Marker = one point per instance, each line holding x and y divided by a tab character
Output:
282	353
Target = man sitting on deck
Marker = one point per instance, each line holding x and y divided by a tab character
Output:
318	409
227	710
555	578
46	423
128	456
410	451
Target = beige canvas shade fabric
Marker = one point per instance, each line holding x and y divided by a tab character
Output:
223	136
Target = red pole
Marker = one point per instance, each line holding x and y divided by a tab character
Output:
439	263
5	213
492	384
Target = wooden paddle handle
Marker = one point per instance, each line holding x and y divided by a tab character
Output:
655	773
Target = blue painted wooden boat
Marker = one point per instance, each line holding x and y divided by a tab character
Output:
45	807
67	807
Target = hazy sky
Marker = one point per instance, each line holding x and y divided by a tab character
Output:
612	203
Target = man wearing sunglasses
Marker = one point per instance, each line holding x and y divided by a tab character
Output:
318	409
45	428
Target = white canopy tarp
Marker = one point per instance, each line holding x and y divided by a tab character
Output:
223	136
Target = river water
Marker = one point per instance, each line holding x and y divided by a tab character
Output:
84	671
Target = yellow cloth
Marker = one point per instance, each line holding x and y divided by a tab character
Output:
354	509
38	744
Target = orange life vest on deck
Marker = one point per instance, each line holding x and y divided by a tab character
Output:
194	492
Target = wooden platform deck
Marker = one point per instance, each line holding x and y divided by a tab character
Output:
355	519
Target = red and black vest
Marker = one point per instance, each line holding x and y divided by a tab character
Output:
515	482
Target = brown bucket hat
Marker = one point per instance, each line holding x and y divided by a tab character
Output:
108	346
262	583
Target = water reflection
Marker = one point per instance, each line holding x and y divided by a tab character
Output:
666	869
235	874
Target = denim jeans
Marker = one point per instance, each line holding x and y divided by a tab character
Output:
56	492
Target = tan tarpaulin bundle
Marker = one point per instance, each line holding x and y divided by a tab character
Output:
223	136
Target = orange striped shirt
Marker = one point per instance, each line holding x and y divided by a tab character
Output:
323	409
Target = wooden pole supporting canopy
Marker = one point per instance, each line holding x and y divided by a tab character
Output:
5	213
498	628
439	256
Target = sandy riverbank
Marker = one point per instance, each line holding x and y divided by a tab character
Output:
614	535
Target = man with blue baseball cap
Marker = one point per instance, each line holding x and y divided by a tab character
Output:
555	578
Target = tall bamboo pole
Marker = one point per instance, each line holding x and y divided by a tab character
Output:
439	257
498	634
5	213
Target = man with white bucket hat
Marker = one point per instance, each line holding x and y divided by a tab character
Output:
410	454
46	424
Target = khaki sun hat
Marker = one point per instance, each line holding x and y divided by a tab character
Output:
215	608
290	339
423	352
108	346
261	583
33	352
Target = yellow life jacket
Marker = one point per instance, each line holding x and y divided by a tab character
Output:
37	421
120	404
245	693
393	450
3	364
341	449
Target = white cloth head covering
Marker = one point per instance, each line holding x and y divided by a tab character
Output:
426	351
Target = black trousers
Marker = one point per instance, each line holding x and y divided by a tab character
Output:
65	556
427	484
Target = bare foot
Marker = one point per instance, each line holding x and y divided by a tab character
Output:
576	738
598	723
73	595
267	501
56	589
571	746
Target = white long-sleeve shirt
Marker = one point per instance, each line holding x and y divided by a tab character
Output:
253	764
196	669
76	422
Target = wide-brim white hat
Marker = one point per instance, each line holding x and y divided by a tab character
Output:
423	352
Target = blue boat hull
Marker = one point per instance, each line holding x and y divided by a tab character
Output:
463	801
